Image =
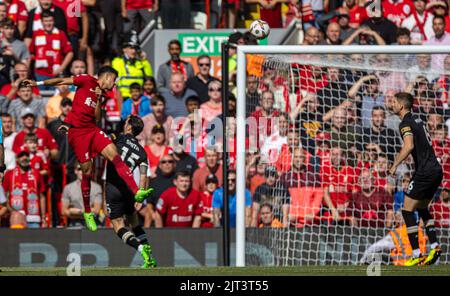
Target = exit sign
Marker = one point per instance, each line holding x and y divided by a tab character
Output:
195	44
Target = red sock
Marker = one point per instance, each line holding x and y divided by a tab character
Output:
86	192
125	173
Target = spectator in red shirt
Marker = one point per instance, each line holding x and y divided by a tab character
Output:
46	143
78	35
25	193
270	11
284	161
179	206
263	120
441	209
138	13
18	13
157	148
381	174
441	146
21	73
338	184
397	10
38	161
272	146
357	13
51	50
34	19
212	183
372	206
305	188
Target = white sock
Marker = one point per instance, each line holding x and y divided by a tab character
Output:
416	253
434	245
140	248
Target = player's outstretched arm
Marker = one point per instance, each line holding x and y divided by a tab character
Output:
50	82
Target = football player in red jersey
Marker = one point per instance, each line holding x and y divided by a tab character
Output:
86	138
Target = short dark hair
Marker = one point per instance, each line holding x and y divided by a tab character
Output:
403	32
182	173
23	85
439	17
152	79
234	37
8	23
406	99
266	204
107	69
231	97
31	137
376	108
174	41
137	124
192	98
250	39
440	127
135	85
4	114
157	98
47	13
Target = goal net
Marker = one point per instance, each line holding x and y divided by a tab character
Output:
320	137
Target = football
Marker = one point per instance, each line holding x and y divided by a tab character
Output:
260	29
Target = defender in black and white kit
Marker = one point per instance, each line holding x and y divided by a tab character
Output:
119	198
425	181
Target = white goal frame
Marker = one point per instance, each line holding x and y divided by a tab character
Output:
241	106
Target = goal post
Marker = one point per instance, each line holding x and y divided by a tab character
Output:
292	55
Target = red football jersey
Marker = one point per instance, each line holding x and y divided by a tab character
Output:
177	211
71	8
139	4
357	16
84	102
398	11
38	164
45	140
340	182
17	11
7	88
206	206
49	50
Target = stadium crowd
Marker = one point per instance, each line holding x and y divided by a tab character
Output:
320	150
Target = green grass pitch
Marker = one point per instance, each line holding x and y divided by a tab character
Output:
438	270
